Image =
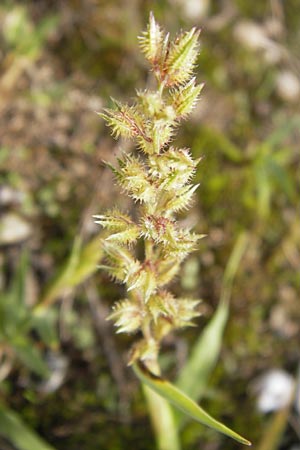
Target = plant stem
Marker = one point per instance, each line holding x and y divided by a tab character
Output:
161	415
162	419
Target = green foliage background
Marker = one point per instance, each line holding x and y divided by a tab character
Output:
60	62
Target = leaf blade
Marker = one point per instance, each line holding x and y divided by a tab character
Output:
206	349
18	433
183	402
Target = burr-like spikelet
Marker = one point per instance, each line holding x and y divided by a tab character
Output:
181	59
126	121
181	199
151	41
168	268
176	310
133	177
185	97
173	168
123	229
127	316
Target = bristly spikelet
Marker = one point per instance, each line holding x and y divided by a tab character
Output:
181	199
134	179
181	60
126	121
185	98
151	41
160	182
165	305
167	269
114	220
173	169
127	316
123	229
173	241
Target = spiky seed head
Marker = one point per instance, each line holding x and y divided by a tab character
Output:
117	254
126	237
161	181
151	102
172	169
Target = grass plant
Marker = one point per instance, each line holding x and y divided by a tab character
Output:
159	179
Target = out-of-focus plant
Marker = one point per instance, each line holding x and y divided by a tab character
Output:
13	428
24	40
18	320
268	175
81	263
22	36
206	350
16	323
159	180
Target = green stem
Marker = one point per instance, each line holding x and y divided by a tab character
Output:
162	419
160	411
161	415
148	250
161	86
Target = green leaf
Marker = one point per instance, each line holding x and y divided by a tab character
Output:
264	189
87	263
14	313
207	348
82	263
18	433
29	355
283	131
18	287
17	305
182	401
209	139
194	376
45	323
31	358
280	177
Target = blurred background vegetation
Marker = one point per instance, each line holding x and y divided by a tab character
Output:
64	380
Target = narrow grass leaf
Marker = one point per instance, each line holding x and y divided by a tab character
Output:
194	376
18	433
29	355
183	402
82	263
45	323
